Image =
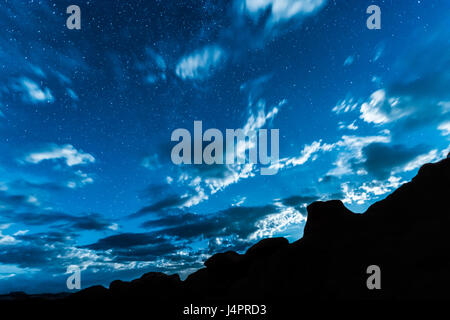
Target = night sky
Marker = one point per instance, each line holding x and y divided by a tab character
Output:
86	118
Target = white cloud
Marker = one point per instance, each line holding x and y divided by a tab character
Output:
369	190
114	227
305	155
35	92
345	106
421	160
238	202
21	233
67	152
384	108
351	151
6	239
445	128
352	126
201	63
81	180
280	10
372	111
278	222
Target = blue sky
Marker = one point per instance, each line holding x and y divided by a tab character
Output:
86	118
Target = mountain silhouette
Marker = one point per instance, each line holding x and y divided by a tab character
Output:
406	235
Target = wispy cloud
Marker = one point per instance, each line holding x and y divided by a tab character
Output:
68	153
445	128
352	126
80	180
369	190
280	10
345	105
308	152
34	93
200	64
349	61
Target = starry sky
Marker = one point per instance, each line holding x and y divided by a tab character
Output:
86	118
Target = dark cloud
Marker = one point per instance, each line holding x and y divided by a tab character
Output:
294	201
46	186
240	221
14	201
127	247
126	240
171	202
328	179
146	253
166	203
93	221
27	256
217	171
172	218
226	244
50	237
381	159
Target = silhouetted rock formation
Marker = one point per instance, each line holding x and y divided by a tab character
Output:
407	235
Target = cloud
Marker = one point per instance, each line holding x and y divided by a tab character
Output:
380	109
350	152
26	255
151	162
308	152
129	248
12	201
420	160
81	179
68	153
368	191
237	224
240	221
153	67
23	184
419	96
200	64
295	201
379	50
279	11
38	217
445	128
34	93
210	179
352	126
6	239
344	106
125	240
277	223
382	159
349	61
172	201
